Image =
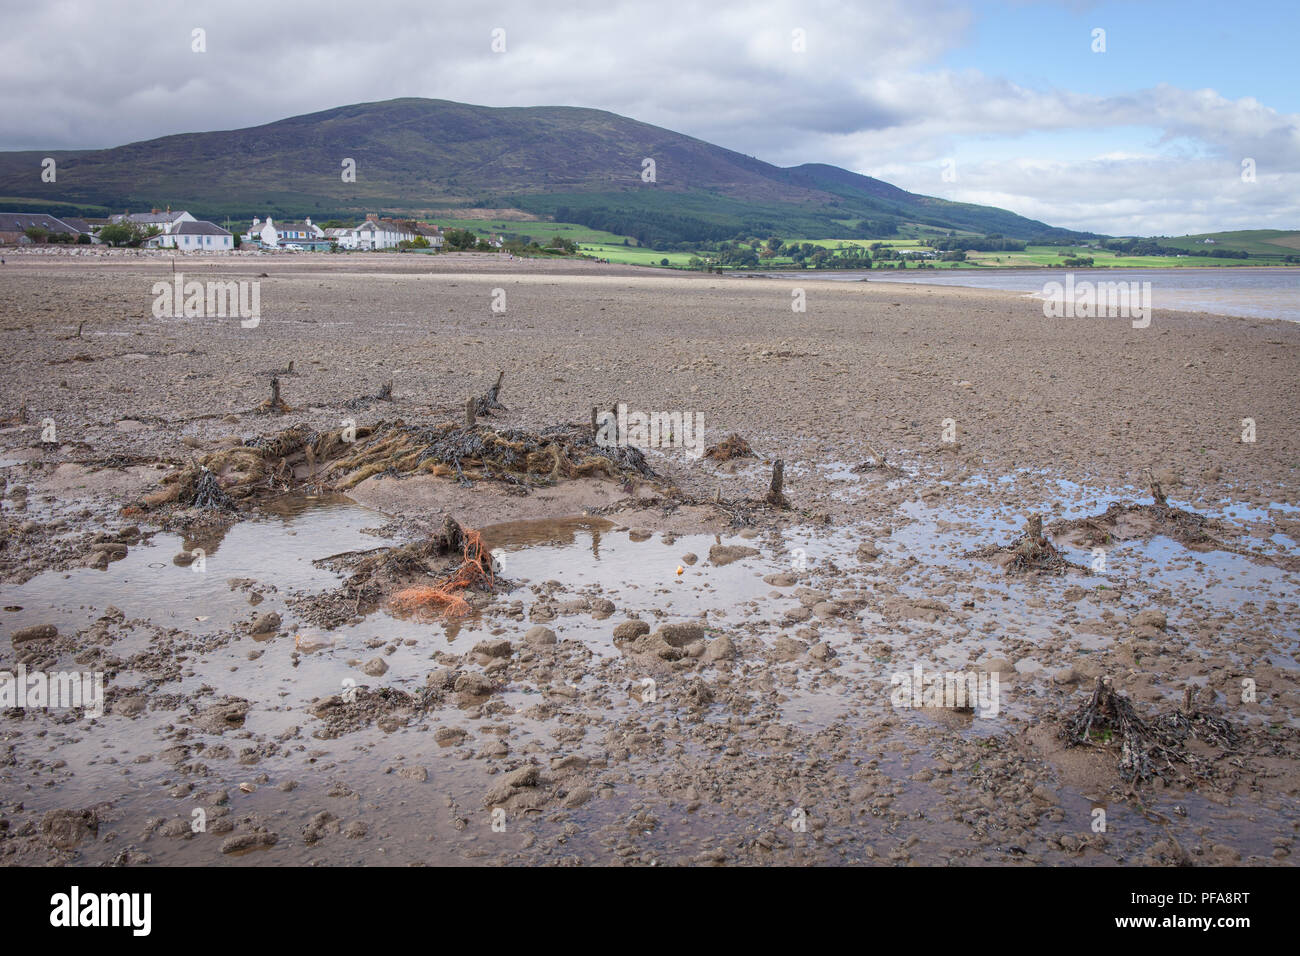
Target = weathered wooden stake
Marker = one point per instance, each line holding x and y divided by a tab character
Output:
1157	492
776	491
276	404
1034	528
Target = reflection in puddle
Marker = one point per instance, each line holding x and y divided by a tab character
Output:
269	553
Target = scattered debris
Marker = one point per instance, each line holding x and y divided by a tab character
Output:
1031	553
385	394
474	572
1148	748
877	463
456	559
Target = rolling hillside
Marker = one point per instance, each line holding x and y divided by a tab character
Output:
418	156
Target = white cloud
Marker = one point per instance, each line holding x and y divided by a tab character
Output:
869	93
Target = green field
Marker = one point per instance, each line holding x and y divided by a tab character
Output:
635	255
1257	242
532	231
1267	247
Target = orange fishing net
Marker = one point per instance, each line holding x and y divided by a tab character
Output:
475	571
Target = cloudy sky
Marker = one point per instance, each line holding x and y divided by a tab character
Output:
1014	99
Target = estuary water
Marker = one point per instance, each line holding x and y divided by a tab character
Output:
1251	292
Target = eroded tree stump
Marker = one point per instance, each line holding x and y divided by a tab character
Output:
776	490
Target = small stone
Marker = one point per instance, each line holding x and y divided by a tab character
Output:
723	554
248	841
37	632
679	635
525	776
721	649
539	636
474	685
268	623
1156	619
631	630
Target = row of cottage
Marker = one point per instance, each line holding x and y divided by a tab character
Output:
182	231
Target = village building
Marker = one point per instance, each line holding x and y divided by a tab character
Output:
376	233
14	226
193	236
294	231
345	238
163	219
273	235
430	232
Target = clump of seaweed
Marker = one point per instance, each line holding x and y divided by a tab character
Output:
513	455
489	401
1153	747
1126	519
385	394
733	446
1031	553
341	459
209	495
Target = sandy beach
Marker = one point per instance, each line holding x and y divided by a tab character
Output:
919	428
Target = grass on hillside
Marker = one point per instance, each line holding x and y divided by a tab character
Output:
1257	242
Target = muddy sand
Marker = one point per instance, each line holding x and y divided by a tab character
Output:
655	666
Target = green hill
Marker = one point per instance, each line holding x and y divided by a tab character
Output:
1256	242
419	157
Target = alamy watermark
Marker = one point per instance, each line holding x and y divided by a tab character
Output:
1092	300
653	430
977	690
128	910
61	690
213	299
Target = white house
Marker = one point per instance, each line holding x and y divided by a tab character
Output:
430	232
376	233
193	236
346	238
289	231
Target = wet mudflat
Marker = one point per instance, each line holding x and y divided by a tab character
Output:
650	680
